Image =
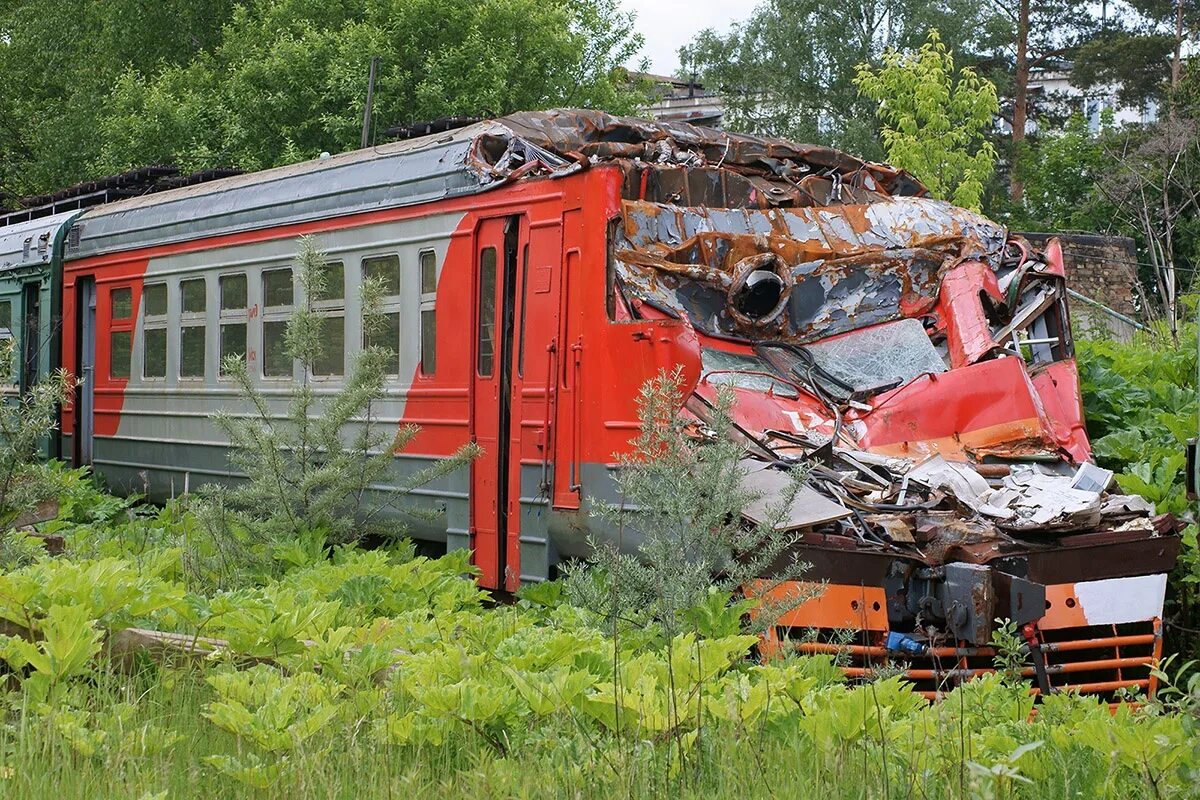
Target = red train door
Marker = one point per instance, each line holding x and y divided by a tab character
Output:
495	475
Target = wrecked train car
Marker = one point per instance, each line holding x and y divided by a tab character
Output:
541	267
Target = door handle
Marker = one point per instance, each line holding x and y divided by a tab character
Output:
576	463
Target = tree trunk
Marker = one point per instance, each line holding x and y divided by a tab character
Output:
1016	188
1176	59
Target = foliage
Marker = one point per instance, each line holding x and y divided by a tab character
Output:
1141	54
934	121
95	88
1140	401
684	496
60	60
24	423
789	69
311	472
1060	174
414	682
1154	189
288	78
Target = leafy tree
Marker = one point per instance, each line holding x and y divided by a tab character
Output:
288	79
1154	190
91	88
1040	34
789	69
684	496
24	423
1141	54
1060	176
59	59
934	119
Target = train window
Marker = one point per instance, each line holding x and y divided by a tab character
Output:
276	361
335	284
121	303
154	353
120	350
193	294
233	292
234	319
428	272
155	299
233	342
331	361
191	351
386	270
277	288
6	317
428	341
386	335
428	312
487	311
329	300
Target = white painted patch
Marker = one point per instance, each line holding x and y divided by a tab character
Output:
1117	600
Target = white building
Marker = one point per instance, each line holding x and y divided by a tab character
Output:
1051	89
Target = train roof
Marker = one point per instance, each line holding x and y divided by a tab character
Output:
31	243
461	162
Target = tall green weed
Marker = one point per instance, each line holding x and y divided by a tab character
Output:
1140	401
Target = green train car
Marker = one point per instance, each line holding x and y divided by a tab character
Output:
31	258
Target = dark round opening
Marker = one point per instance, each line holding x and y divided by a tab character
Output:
760	294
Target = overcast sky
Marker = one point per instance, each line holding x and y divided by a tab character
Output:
669	24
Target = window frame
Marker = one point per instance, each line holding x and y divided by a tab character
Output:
156	322
117	326
332	308
232	316
193	319
486	302
426	304
272	315
388	304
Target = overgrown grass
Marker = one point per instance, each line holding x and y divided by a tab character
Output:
377	674
978	743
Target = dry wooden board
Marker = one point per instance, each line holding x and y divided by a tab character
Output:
808	508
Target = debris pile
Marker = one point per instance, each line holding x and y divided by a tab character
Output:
939	510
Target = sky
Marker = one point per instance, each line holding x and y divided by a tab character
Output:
669	24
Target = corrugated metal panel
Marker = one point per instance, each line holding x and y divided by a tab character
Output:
387	176
31	244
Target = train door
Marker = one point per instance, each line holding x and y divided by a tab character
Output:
31	334
495	474
85	343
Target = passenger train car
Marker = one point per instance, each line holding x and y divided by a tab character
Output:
540	268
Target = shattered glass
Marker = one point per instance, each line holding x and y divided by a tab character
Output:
722	368
880	357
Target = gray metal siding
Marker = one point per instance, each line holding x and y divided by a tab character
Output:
31	244
389	176
167	443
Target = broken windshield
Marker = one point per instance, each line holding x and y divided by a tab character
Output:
865	361
722	368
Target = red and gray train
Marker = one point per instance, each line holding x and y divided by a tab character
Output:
538	269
